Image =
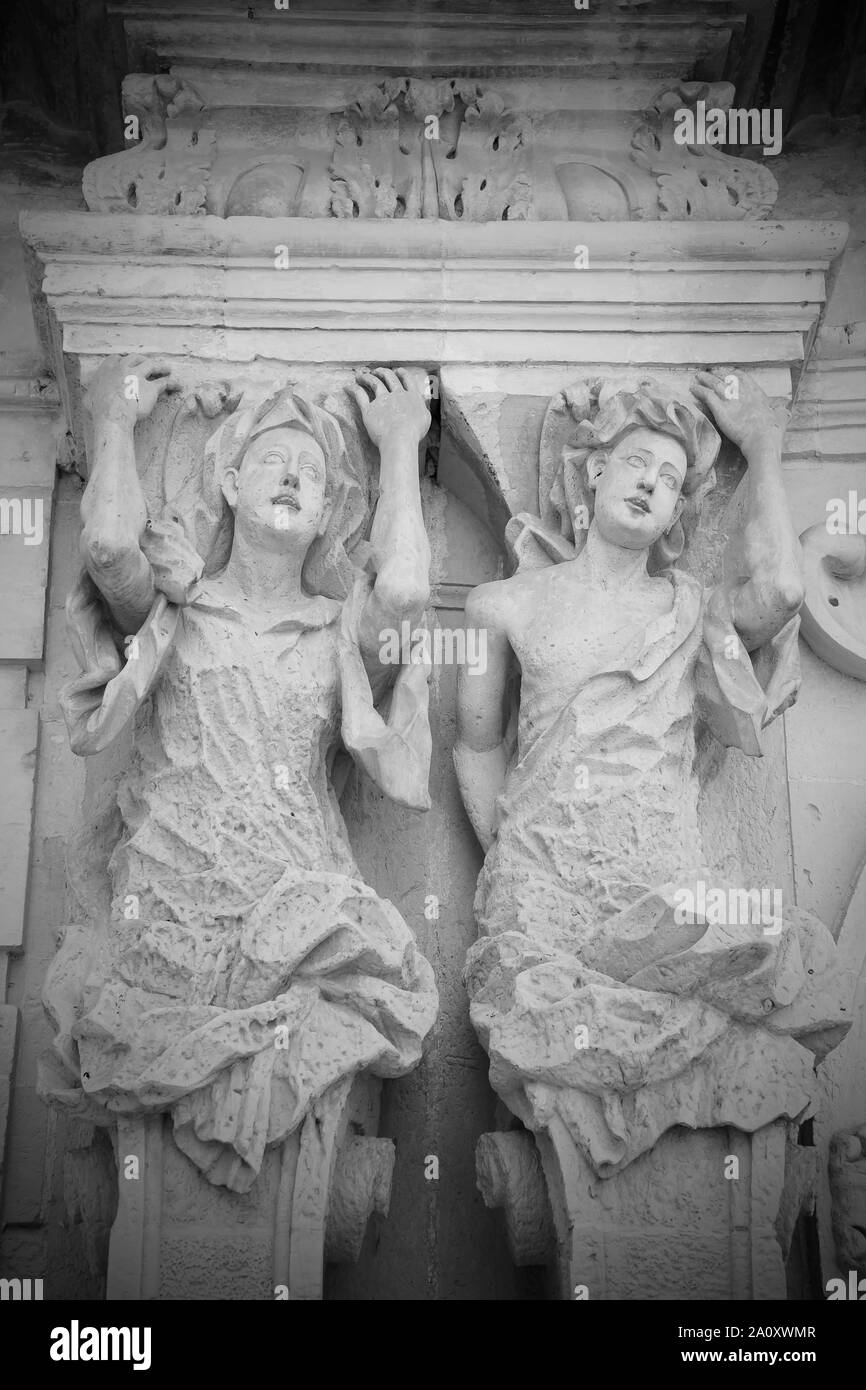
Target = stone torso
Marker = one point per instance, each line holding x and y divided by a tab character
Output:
600	802
565	630
228	785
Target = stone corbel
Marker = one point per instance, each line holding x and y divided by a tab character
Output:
670	1218
847	1169
175	1237
510	1178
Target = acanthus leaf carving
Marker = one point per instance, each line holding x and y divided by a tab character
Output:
657	179
167	172
443	149
698	182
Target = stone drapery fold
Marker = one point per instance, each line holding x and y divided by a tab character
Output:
596	997
237	1021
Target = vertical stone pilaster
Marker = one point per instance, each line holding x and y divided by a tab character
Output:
28	454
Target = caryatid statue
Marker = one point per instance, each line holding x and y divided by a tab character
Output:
611	985
244	967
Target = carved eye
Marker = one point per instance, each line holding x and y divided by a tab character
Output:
274	456
309	465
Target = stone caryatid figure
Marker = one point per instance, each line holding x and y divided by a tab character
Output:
244	968
614	988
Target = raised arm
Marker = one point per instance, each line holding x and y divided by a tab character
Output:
113	508
479	754
763	561
396	419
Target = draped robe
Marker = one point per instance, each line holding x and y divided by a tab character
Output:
246	967
595	1000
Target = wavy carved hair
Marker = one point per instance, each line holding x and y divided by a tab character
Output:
327	568
617	417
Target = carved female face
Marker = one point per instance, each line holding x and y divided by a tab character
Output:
279	489
638	488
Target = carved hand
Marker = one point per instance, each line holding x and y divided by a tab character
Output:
175	564
397	407
127	388
739	408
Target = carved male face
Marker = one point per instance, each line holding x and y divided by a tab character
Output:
279	489
638	488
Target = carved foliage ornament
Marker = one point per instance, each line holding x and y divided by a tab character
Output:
169	170
404	148
412	148
658	179
697	181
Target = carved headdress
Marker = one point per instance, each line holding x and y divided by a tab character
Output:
327	570
603	416
652	407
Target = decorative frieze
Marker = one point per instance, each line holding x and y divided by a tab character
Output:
406	147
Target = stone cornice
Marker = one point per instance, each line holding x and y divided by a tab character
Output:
433	292
26	394
603	41
829	418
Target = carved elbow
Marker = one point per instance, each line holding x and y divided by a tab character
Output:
417	597
790	594
402	597
104	553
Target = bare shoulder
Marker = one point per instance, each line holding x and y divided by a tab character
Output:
495	605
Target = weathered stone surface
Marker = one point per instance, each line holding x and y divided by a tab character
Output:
243	973
425	292
19	734
830	414
512	320
510	1176
25	530
673	1225
24	1195
610	40
826	763
403	147
429	863
834	610
29	437
620	988
838	1128
848	1195
8	1040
